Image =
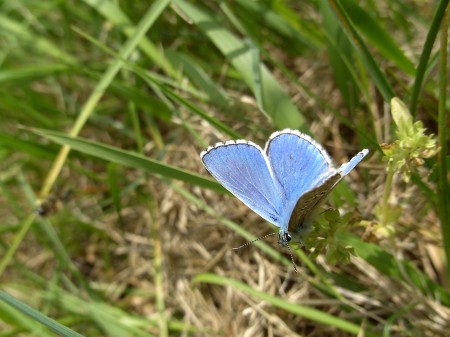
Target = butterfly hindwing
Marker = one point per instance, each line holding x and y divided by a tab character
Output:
301	217
242	168
306	204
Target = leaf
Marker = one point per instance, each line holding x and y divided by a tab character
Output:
299	310
37	316
276	103
393	268
129	159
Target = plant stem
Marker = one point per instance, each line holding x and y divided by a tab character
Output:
442	137
387	192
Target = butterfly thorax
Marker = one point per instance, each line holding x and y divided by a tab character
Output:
296	236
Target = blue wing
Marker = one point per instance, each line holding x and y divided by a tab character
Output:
303	212
347	167
298	162
243	169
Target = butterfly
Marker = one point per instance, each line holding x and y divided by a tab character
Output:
284	184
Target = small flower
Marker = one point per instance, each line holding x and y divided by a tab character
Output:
412	145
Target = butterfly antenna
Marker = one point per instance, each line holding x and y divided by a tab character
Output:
292	258
250	242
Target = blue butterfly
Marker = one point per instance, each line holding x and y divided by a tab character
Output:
284	184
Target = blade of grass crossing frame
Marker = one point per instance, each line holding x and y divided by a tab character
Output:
426	52
299	310
144	25
256	68
276	103
50	323
340	54
443	188
377	36
26	36
148	19
114	14
379	79
200	78
390	266
130	159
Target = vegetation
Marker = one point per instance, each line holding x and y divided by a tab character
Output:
110	224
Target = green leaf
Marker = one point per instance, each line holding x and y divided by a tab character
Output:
114	14
37	316
129	159
299	310
377	75
32	41
392	267
31	73
276	103
378	37
341	57
438	16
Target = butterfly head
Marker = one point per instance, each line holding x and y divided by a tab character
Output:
284	238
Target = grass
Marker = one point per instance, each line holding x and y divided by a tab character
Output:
112	227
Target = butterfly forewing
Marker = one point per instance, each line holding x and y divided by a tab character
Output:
298	163
242	168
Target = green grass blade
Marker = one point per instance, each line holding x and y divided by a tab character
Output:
280	19
141	99
195	109
390	266
443	185
114	14
24	228
33	41
438	16
36	315
341	54
147	21
30	147
129	159
277	104
377	75
200	78
377	36
299	310
109	317
31	73
20	323
17	108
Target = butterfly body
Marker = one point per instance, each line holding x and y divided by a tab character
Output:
283	184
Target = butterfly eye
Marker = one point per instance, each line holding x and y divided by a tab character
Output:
287	237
